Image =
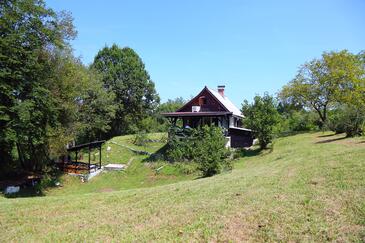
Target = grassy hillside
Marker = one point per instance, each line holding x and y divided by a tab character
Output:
138	174
311	187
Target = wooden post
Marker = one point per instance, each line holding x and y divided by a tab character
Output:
99	156
76	156
89	158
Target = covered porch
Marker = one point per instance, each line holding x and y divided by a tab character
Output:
198	119
237	137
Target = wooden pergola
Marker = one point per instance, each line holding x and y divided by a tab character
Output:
91	145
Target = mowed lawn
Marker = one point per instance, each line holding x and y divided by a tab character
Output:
310	187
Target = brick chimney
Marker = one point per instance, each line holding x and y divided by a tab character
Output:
221	90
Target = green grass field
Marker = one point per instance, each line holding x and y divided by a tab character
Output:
139	173
310	187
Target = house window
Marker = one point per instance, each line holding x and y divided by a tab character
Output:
202	100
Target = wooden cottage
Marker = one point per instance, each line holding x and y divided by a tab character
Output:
211	107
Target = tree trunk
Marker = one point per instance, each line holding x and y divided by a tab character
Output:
19	155
322	116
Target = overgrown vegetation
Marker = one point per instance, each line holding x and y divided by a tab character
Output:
204	146
140	138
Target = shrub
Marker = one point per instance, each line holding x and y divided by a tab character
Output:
347	119
262	117
205	146
301	121
140	138
210	152
180	144
187	168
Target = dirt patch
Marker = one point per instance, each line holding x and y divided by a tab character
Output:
317	181
106	190
238	229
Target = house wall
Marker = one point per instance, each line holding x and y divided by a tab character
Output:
240	138
211	103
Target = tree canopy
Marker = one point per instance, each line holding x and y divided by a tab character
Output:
261	116
47	96
124	73
321	83
29	32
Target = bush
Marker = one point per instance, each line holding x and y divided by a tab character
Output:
140	138
301	121
187	168
262	117
296	121
347	119
210	152
205	146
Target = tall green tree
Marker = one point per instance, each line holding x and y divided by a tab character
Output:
84	106
96	109
321	83
29	31
170	105
48	97
261	116
124	73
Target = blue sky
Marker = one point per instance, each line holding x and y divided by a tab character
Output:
250	46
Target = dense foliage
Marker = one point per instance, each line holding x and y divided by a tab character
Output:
48	98
29	114
171	105
294	118
124	74
205	146
323	84
348	119
261	116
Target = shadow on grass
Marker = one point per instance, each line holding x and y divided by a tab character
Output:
256	151
293	133
158	155
328	135
252	152
26	192
29	186
331	140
